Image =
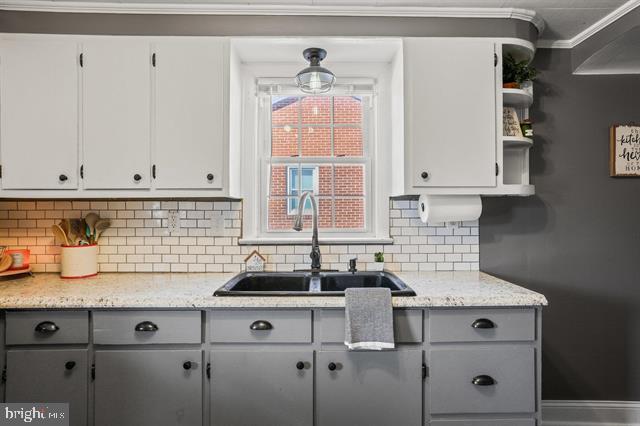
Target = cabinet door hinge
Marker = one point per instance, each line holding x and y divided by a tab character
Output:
497	169
4	375
81	60
93	371
0	171
153	60
153	171
495	59
424	371
82	171
208	370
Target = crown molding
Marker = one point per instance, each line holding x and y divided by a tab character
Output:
593	29
275	9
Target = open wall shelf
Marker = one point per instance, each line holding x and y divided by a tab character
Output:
517	98
516	142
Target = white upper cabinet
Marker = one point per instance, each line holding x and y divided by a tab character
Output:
191	113
38	113
116	96
450	113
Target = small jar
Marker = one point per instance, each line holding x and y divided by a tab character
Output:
527	128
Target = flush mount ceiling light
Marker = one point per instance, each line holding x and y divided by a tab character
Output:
315	79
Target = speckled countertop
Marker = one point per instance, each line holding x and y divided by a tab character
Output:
163	290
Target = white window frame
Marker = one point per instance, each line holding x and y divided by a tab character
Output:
252	165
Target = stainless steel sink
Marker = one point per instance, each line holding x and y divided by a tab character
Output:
310	283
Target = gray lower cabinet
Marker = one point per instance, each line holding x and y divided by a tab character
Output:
483	380
267	388
52	375
369	388
159	387
491	422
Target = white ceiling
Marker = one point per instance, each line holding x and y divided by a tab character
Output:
564	19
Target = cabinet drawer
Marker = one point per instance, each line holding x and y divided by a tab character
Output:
260	326
481	325
485	422
146	327
504	380
407	326
47	327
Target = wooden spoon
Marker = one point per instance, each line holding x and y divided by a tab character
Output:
91	219
101	226
60	235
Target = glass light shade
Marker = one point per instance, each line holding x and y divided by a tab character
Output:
315	79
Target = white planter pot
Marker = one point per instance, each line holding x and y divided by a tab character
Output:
79	261
376	266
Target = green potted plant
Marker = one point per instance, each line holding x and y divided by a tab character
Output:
516	74
378	264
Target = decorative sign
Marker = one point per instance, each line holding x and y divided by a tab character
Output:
624	150
510	122
254	262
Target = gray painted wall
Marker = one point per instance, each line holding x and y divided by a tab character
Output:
578	240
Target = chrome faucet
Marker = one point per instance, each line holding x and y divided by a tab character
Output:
297	226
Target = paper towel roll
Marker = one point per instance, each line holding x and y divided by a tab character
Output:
449	208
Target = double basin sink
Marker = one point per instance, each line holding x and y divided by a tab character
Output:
323	283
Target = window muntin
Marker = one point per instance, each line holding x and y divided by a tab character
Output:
323	138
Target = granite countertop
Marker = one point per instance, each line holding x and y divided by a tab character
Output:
195	290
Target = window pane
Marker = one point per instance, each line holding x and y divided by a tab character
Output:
350	213
316	142
349	179
347	109
348	142
285	110
284	141
316	110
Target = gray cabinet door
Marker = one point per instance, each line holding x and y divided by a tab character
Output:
369	388
50	376
148	388
264	388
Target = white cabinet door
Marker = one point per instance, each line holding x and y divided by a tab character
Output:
450	112
116	113
191	109
39	114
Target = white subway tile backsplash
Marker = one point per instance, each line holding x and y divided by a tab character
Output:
139	239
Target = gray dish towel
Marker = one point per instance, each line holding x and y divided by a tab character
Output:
368	319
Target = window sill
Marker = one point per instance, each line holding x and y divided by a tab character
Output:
307	240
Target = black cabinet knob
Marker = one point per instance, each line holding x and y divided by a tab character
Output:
146	326
300	365
47	327
483	380
332	366
210	177
187	365
483	323
69	365
260	325
62	178
137	177
424	175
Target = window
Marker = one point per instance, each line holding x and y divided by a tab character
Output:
318	144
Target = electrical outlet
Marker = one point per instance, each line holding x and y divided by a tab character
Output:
174	221
217	224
